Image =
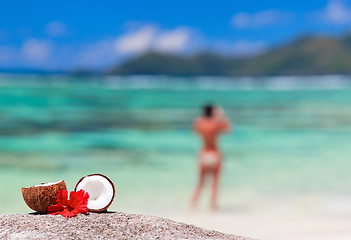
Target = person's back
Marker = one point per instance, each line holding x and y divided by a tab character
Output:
209	129
209	126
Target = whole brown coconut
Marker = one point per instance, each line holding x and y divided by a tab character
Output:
101	191
41	196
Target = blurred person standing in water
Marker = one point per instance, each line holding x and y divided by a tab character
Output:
209	126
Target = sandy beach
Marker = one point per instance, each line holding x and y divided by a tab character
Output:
273	227
288	218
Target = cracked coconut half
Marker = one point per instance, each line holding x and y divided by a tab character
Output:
101	191
41	196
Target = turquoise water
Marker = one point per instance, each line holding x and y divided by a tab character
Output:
291	135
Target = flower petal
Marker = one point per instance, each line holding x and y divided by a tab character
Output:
62	197
69	208
68	214
79	201
55	209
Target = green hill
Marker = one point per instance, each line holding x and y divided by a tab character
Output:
304	56
157	63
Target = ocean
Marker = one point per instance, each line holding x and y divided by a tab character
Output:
291	137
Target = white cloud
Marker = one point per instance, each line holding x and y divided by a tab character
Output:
136	41
51	54
336	12
172	40
140	38
260	19
152	38
55	29
36	51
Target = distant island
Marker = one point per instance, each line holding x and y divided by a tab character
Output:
308	55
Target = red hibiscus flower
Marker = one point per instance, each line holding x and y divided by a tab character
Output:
77	203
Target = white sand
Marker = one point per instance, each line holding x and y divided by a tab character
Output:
308	217
273	227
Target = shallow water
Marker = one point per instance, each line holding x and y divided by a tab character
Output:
291	136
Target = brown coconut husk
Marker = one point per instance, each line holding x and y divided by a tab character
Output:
39	198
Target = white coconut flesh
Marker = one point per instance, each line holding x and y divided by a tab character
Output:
47	184
100	191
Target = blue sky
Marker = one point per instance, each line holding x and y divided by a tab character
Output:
61	35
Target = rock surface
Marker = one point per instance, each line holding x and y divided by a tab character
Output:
101	226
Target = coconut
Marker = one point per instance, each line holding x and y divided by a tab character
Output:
41	196
101	191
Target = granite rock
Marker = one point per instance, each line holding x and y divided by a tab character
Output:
115	225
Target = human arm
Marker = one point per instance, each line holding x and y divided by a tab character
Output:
224	123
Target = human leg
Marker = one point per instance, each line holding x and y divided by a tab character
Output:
214	194
198	189
216	174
